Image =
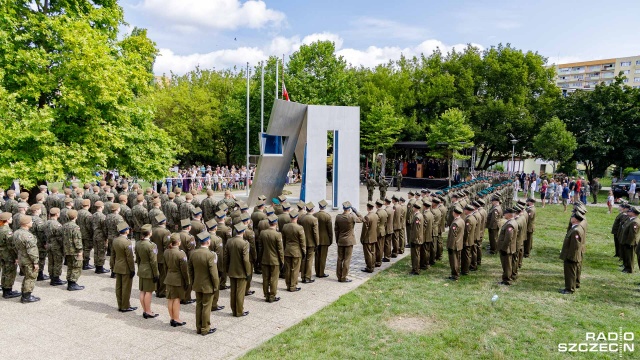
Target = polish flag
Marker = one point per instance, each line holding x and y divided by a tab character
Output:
285	94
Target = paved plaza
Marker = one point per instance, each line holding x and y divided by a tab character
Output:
86	324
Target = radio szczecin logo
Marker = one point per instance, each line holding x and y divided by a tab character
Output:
604	342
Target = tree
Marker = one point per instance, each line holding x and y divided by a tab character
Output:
380	129
450	134
554	143
72	92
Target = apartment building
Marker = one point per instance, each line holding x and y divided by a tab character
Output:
586	75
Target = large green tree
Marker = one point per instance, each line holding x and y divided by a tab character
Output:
71	90
554	142
450	134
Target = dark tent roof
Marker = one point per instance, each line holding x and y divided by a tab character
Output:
411	145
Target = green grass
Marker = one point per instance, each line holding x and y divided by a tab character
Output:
459	321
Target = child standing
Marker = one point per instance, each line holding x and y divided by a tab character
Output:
610	200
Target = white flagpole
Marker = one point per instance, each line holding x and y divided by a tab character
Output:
262	97
277	66
247	173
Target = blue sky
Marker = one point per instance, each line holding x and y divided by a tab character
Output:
223	33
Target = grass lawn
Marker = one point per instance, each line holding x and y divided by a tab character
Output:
397	316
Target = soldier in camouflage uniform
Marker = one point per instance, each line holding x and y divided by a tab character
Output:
111	231
163	196
8	257
94	197
140	217
68	205
99	237
38	230
11	205
186	207
107	205
230	202
22	211
85	221
383	185
27	249
208	207
371	186
170	210
148	198
78	200
179	199
125	210
55	247
72	239
195	202
43	209
155	211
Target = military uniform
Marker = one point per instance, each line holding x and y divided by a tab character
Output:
325	239
72	239
398	227
345	238
272	259
203	271
469	242
295	248
383	185
417	238
440	243
256	217
528	243
476	259
310	225
84	221
188	245
170	210
177	278
216	247
369	239
572	255
629	241
506	245
147	260
238	268
223	233
455	243
382	233
53	233
493	216
100	242
399	180
161	237
28	257
371	186
38	230
121	262
427	236
140	217
8	257
389	251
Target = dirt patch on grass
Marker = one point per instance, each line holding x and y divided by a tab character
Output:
413	324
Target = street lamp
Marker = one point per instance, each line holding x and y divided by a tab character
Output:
513	152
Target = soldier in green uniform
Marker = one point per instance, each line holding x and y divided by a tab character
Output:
399	180
506	245
382	233
161	237
72	239
398	225
629	238
187	244
369	237
140	216
100	242
238	268
345	239
155	211
215	245
455	242
55	244
121	261
272	259
595	188
615	229
469	241
493	215
295	248
277	205
531	211
250	237
383	185
203	272
38	230
148	274
28	257
325	238
428	223
86	230
11	205
177	278
437	241
371	186
223	233
8	257
481	213
572	254
311	226
417	237
257	216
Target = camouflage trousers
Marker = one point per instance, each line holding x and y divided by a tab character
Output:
100	249
369	195
30	275
74	268
87	246
42	258
56	258
9	271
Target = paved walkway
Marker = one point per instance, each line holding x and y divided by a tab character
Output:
86	324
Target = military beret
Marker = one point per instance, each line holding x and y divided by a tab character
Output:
402	199
262	197
185	222
196	211
371	204
146	228
323	203
188	197
122	197
282	198
122	226
5	216
96	189
157	201
286	205
522	203
160	218
139	192
469	207
99	204
115	207
211	224
11	192
243	205
411	193
580	217
269	210
209	192
178	190
204	236
272	218
35	207
379	202
301	204
24	195
530	200
40	197
23	205
457	209
293	213
387	200
220	214
43	187
245	217
54	211
240	227
172	195
417	204
110	195
140	198
25	219
310	205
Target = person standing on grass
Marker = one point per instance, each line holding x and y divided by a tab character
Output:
571	253
455	242
610	200
506	245
565	196
632	191
629	239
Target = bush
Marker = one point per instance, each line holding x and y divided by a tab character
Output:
627	170
499	167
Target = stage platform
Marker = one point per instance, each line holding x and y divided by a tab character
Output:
421	183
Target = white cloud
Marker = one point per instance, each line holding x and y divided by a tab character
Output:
214	14
369	57
374	28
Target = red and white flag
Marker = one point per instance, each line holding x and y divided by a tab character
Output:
285	94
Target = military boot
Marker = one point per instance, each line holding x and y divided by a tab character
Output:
113	275
101	270
8	293
73	286
87	266
55	281
42	276
28	298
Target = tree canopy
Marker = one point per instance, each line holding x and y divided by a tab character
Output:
554	143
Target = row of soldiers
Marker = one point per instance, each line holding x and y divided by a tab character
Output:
626	236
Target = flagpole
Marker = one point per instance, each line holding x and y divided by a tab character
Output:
262	97
282	76
277	65
247	172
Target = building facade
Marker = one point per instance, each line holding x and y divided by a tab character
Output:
586	75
